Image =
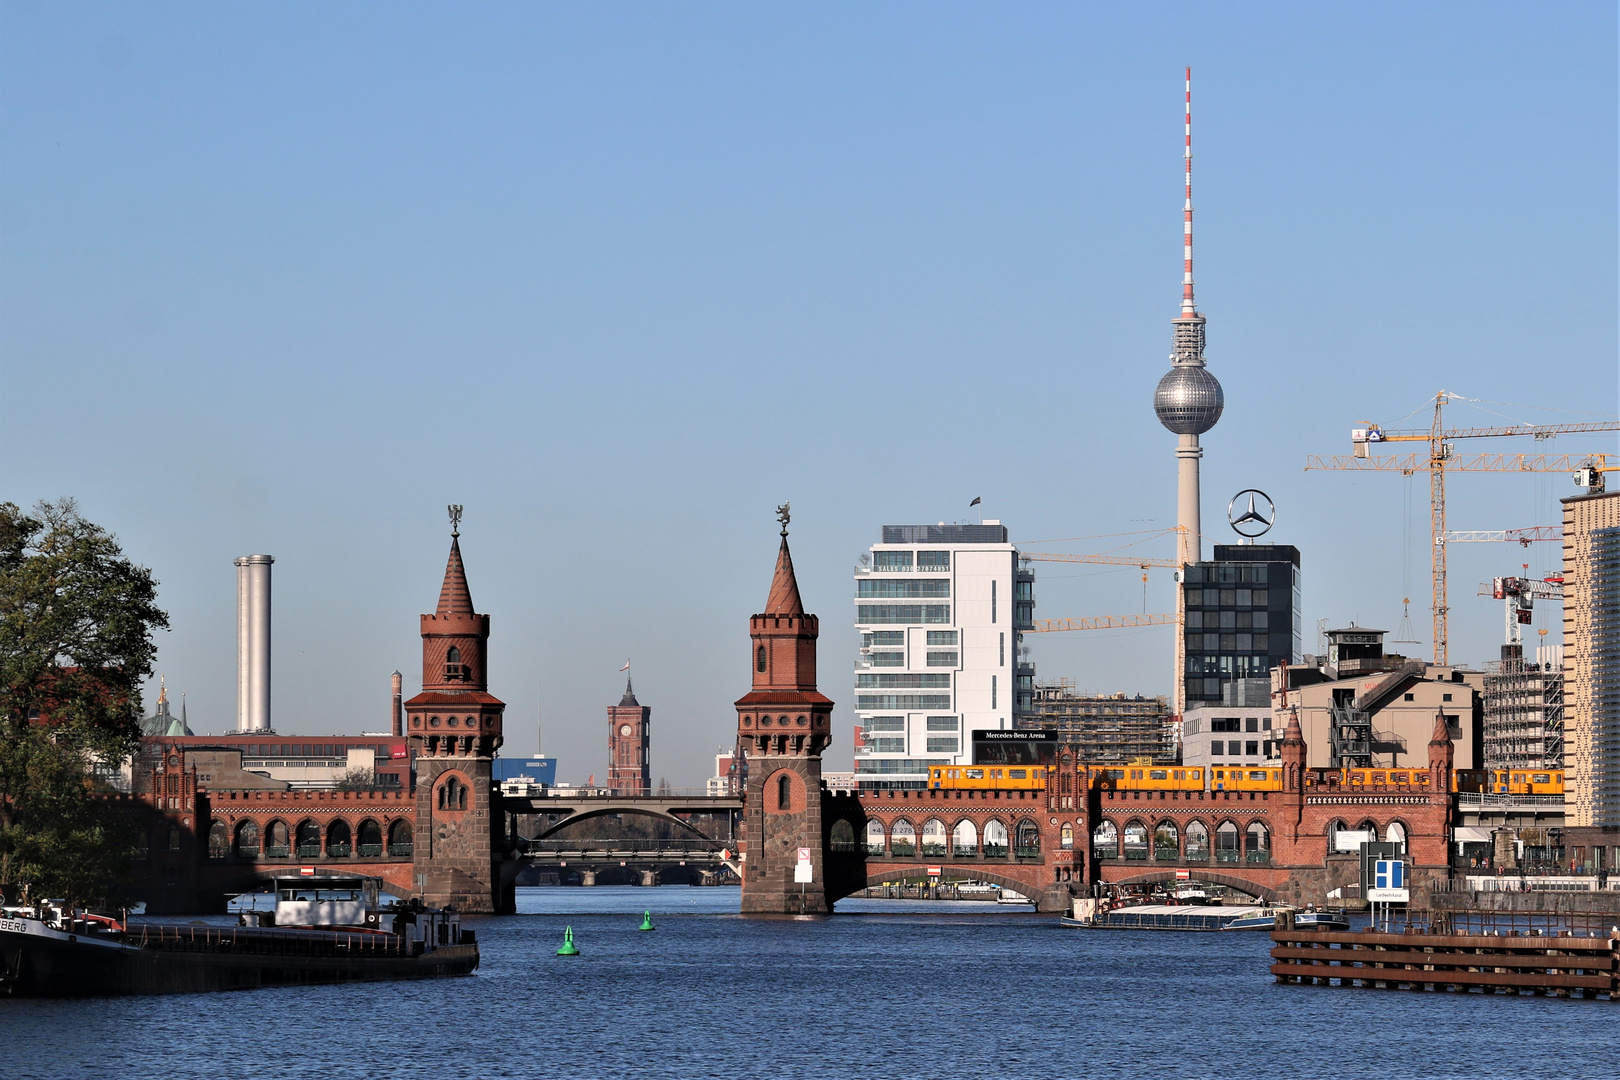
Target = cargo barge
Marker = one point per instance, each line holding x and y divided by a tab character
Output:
322	931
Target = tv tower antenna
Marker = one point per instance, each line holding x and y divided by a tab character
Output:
1188	401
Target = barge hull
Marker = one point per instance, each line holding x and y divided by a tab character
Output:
46	968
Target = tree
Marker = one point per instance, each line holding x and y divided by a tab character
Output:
76	626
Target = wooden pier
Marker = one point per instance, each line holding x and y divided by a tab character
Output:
1553	958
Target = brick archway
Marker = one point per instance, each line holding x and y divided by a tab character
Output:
1264	893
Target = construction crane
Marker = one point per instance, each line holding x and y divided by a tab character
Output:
1522	537
1520	594
1102	622
1441	458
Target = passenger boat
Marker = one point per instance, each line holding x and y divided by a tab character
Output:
1163	917
1009	896
324	930
1310	919
1263	919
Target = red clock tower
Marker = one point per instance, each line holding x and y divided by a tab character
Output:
628	739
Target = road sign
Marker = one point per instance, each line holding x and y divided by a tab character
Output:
804	854
1389	896
1183	875
802	872
933	871
307	871
1389	882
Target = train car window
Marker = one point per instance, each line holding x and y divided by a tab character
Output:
973	774
1114	774
1195	774
1017	774
1276	774
995	774
1158	774
1518	778
1220	774
1136	774
1180	774
953	774
1541	778
1261	775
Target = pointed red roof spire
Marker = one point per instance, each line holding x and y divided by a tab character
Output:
454	596
1442	733
784	598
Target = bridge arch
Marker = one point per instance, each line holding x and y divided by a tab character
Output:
1026	885
623	808
1231	881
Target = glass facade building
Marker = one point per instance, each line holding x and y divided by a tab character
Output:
1242	616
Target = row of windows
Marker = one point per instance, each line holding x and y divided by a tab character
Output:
884	637
1228	574
1228	597
944	723
877	614
308	750
902	838
906	680
1166	837
278	839
942	659
897	765
901	560
1228	620
940	744
885	723
1229	667
1229	642
888	659
864	702
1234	748
1235	723
899	588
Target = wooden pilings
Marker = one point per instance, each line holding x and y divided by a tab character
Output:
1557	963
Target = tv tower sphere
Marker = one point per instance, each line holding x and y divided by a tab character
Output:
1189	400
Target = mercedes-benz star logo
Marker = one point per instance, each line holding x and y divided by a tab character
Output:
1258	515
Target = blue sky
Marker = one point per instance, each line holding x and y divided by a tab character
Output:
620	278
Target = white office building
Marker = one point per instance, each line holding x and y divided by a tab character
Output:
939	609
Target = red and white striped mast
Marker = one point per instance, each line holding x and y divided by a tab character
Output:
1188	311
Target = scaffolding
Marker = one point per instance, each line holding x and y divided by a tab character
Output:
1104	728
1524	710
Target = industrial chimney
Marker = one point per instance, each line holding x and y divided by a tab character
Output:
398	705
253	642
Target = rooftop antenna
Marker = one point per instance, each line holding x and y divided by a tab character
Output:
1188	310
455	520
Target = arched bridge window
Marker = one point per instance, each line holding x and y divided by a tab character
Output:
1105	841
933	838
759	659
995	839
247	840
370	839
874	838
219	840
174	838
1259	844
399	838
1136	840
902	838
1029	838
1197	842
339	840
1066	837
1226	842
1166	842
843	836
784	793
452	795
309	840
965	838
277	841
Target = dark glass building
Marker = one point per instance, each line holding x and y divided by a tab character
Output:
1243	616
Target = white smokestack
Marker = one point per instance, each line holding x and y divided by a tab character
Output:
253	642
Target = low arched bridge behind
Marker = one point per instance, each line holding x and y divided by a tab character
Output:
671	807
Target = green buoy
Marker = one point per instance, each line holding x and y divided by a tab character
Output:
646	921
568	948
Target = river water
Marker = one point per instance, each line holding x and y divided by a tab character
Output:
882	989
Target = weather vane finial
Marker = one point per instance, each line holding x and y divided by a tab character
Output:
784	515
455	520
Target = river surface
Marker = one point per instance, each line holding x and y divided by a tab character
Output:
885	988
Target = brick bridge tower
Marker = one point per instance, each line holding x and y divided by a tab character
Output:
628	738
454	726
783	724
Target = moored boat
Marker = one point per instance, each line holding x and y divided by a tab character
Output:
50	950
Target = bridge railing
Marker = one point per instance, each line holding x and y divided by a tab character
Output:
559	847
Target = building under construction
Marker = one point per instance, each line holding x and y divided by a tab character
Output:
1524	710
1103	728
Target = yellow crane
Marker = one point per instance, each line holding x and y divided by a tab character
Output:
1442	458
1100	622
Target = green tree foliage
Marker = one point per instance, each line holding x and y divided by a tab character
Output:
76	625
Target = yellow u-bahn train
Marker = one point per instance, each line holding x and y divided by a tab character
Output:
989	777
1145	777
1509	781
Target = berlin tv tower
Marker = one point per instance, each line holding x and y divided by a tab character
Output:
1188	400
